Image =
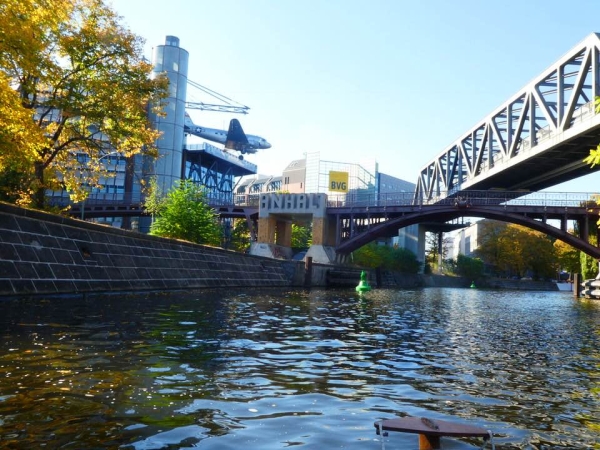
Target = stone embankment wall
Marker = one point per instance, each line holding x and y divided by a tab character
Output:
325	275
45	254
523	285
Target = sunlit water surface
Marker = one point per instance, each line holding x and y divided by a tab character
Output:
271	370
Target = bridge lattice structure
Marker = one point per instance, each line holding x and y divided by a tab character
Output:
536	139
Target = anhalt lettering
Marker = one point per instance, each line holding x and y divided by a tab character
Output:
293	204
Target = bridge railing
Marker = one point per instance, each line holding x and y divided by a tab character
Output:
465	198
363	200
368	199
97	198
566	199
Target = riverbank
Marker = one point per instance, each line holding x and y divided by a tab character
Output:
47	254
349	277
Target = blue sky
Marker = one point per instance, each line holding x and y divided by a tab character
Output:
394	80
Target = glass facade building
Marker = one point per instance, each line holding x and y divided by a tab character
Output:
362	177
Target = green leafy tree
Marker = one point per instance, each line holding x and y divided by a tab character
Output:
185	214
370	255
154	197
567	257
450	266
301	236
489	242
240	235
468	267
433	252
539	254
511	260
83	90
373	255
589	265
403	260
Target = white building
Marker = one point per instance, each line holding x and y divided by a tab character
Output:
466	240
311	174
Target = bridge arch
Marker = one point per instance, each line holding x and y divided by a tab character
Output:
447	213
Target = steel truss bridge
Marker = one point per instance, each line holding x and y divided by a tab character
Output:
538	138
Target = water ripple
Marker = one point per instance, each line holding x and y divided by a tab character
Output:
314	370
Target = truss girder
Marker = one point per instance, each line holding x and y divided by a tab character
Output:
550	105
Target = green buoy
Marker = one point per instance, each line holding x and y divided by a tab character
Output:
473	285
363	286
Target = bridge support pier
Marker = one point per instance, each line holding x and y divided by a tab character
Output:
274	238
274	230
421	246
322	249
276	214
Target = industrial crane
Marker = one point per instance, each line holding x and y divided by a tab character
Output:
234	138
229	105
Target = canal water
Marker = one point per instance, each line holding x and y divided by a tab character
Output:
314	370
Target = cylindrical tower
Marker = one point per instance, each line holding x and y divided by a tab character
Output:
172	60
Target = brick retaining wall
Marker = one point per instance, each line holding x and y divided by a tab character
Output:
42	253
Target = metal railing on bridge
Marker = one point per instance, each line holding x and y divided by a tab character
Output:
465	198
128	204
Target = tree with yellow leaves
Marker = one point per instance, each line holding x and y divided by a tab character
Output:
19	139
77	86
515	250
567	256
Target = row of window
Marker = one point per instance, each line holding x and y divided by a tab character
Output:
273	186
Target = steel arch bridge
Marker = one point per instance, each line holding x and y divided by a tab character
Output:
445	213
536	139
359	224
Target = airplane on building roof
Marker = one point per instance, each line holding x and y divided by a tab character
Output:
233	139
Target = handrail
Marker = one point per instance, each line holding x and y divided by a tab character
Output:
566	199
360	200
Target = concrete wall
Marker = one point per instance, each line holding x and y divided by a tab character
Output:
47	254
521	285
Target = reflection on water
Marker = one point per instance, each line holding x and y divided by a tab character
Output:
269	370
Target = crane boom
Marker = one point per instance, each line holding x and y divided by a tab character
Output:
219	108
228	105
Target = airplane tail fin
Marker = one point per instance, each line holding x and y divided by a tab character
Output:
236	138
187	123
